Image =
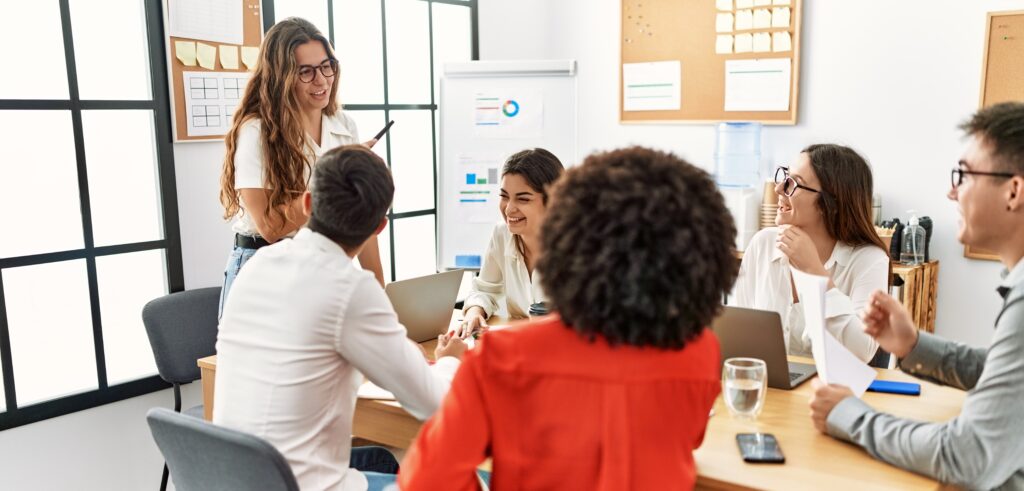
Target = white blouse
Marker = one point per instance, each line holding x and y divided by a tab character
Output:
504	274
764	283
335	131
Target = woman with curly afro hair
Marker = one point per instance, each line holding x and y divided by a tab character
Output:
612	391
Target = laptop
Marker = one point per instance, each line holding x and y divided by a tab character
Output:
758	334
424	305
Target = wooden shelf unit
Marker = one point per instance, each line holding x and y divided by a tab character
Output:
919	291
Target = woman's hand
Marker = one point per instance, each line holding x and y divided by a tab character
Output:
475	320
800	249
448	345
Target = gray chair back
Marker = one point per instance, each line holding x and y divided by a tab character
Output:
182	327
203	456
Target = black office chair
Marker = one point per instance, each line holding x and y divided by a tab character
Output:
205	456
182	327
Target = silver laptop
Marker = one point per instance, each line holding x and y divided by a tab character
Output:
424	305
758	334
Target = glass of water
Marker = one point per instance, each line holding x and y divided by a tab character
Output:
745	381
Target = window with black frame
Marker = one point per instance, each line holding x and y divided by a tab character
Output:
87	204
391	55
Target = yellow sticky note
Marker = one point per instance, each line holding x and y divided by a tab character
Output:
723	22
781	42
762	19
249	56
229	57
762	42
723	44
780	17
744	20
744	43
207	55
185	51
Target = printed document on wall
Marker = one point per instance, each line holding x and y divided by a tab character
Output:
209	20
654	86
757	85
509	114
211	99
477	187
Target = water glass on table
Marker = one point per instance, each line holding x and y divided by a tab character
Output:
744	382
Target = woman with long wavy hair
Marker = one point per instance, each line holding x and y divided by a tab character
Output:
288	117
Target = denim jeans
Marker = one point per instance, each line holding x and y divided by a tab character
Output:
377	464
239	256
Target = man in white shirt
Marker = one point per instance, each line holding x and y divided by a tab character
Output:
303	325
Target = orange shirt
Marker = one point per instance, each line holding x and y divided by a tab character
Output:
555	411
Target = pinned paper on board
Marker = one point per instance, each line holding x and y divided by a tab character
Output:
654	86
780	2
757	85
723	22
744	4
835	363
210	101
781	41
229	57
723	44
206	55
218	21
762	19
477	188
185	51
723	4
744	20
508	114
780	17
760	3
744	43
249	56
762	42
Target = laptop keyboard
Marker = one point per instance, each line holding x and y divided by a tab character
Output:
793	376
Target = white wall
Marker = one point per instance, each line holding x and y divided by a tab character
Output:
892	86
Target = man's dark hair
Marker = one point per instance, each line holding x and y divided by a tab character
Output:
637	247
1002	127
352	190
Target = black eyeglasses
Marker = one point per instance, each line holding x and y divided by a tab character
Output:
308	72
957	176
789	185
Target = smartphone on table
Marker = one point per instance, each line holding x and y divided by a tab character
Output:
760	448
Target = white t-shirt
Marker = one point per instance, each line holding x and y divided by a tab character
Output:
504	274
300	325
335	131
764	283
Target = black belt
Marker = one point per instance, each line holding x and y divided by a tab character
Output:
247	242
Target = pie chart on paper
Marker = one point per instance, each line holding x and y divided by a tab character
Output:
510	108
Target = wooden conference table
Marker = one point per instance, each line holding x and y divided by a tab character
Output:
813	460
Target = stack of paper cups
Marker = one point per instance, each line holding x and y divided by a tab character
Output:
769	205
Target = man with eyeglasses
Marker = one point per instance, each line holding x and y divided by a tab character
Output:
983	447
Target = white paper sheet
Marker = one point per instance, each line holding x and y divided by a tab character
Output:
744	43
478	188
757	85
369	390
723	4
835	363
723	44
781	42
723	22
509	114
762	42
211	99
762	19
744	4
654	86
209	20
762	2
780	17
744	20
780	2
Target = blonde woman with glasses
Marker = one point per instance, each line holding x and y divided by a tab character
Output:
289	116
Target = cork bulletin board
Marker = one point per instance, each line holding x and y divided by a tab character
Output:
698	57
1002	74
205	113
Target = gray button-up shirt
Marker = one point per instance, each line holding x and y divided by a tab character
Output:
983	447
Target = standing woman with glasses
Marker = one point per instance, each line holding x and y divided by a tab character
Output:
824	228
289	116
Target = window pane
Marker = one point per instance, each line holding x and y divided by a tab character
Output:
408	51
120	153
39	202
111	49
33	47
453	39
412	162
314	11
126	283
50	323
358	43
368	124
415	247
